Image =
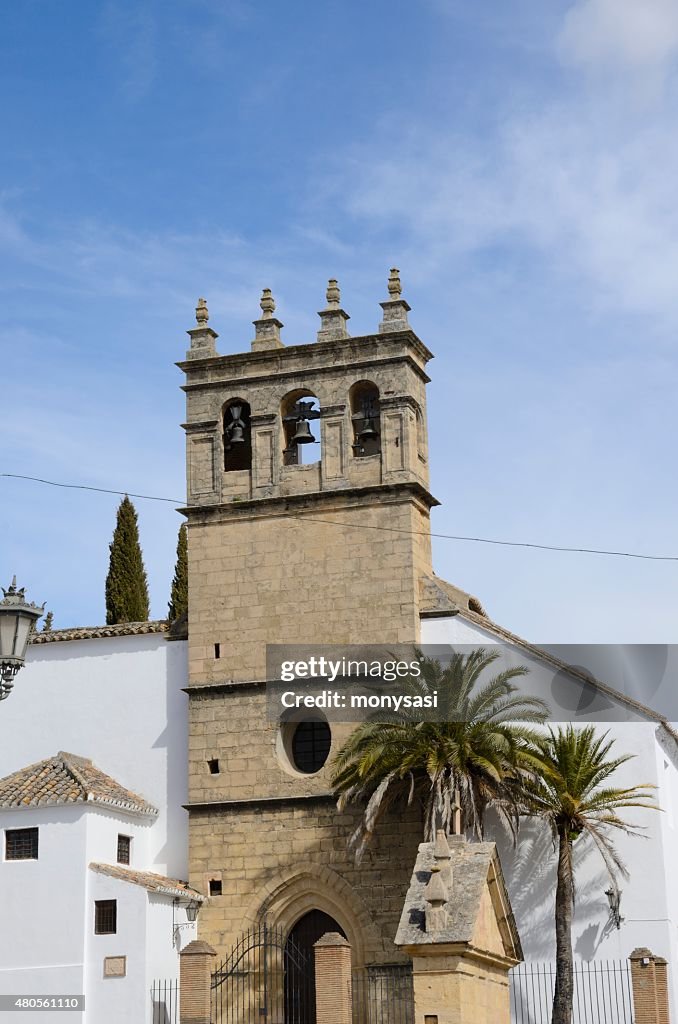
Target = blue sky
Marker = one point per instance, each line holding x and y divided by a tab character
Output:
516	161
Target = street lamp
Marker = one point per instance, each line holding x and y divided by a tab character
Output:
614	899
17	618
192	911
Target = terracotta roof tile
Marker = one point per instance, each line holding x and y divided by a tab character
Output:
68	779
149	880
98	632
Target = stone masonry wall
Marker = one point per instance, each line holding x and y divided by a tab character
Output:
255	852
256	579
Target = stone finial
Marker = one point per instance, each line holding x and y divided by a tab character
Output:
267	303
333	318
202	336
456	814
436	896
436	892
333	295
442	857
395	308
441	847
201	313
267	327
394	286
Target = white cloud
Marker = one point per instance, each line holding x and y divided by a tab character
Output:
621	33
597	201
582	177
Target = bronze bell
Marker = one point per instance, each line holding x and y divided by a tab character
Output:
236	434
303	434
369	432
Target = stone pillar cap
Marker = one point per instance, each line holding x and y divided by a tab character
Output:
198	947
332	939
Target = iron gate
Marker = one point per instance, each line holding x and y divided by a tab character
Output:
267	979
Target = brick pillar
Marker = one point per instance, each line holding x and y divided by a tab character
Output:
333	1000
195	976
649	980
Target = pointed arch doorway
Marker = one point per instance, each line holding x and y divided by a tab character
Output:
299	981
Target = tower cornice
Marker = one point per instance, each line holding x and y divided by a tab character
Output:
368	349
291	505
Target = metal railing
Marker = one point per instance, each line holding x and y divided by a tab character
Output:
165	1001
383	995
602	992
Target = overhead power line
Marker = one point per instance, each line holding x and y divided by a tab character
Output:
388	529
87	487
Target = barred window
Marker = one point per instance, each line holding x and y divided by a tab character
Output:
21	844
105	917
124	847
311	744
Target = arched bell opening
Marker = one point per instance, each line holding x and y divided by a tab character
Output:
299	409
300	995
237	434
364	406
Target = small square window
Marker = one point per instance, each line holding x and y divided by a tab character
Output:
124	847
105	917
21	844
215	887
213	765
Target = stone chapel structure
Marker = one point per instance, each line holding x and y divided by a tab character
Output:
287	549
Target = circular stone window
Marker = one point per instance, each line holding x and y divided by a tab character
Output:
309	745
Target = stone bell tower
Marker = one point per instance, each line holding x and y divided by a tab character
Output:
308	522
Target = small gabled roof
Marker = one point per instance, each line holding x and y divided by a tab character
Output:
149	880
471	888
68	779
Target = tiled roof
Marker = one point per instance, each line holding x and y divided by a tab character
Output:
97	632
466	870
67	779
149	880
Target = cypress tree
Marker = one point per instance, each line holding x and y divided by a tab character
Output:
126	583
179	595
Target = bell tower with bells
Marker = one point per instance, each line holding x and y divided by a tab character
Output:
308	522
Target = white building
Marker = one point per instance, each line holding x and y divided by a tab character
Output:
90	871
649	898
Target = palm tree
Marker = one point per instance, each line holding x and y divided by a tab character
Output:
456	766
568	788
